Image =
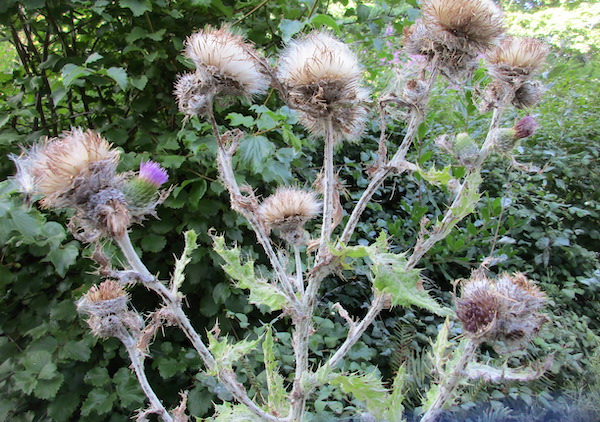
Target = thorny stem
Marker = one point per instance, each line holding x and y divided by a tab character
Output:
450	383
173	301
449	218
137	363
227	176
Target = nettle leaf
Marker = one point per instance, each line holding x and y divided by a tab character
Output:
277	394
237	119
226	353
261	291
40	363
47	388
28	224
119	75
137	7
63	257
254	151
289	28
127	387
71	73
367	388
99	401
76	350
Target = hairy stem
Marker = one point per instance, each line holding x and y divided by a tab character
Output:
450	382
173	301
137	363
299	273
328	187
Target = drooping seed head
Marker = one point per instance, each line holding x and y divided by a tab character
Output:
287	210
194	93
229	60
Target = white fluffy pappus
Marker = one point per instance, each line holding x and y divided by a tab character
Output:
318	56
229	59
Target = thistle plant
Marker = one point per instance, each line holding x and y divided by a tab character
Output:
302	230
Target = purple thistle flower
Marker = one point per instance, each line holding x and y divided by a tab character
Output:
153	173
525	127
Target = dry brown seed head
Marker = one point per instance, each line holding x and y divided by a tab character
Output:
107	290
526	54
289	209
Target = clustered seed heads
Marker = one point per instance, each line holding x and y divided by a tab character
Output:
505	311
453	32
225	64
323	77
287	210
106	306
78	170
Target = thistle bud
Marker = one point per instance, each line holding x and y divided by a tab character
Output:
142	190
287	210
106	306
504	140
465	149
525	127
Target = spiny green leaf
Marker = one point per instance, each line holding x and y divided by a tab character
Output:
277	395
367	388
435	176
226	353
394	409
261	292
191	244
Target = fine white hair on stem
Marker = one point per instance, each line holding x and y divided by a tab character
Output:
228	59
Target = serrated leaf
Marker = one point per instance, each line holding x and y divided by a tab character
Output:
99	401
63	257
227	353
199	401
119	75
97	377
76	350
289	28
25	381
140	82
47	388
327	21
394	409
39	362
168	367
137	7
237	119
261	291
277	394
71	73
127	387
367	388
191	244
94	57
254	151
27	224
153	243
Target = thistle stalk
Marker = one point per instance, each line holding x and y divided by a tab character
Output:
328	187
450	382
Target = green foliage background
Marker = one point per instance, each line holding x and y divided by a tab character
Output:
110	65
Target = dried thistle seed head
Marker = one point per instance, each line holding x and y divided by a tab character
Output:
66	170
477	307
517	59
323	76
106	213
519	318
106	306
287	210
454	32
194	93
528	95
228	60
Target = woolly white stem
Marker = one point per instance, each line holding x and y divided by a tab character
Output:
328	187
137	363
173	301
450	382
299	273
